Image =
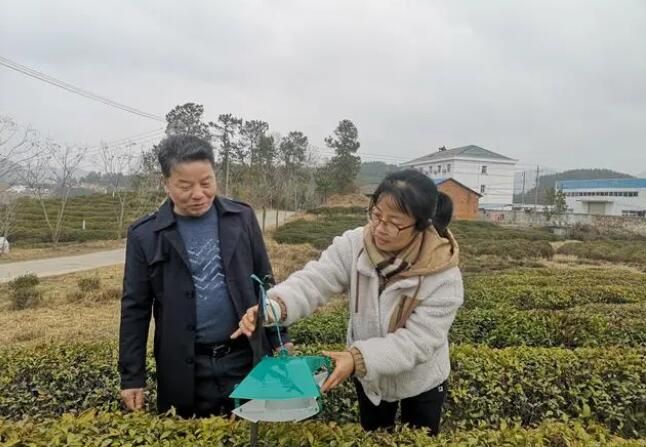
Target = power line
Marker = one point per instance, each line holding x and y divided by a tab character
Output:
127	141
73	89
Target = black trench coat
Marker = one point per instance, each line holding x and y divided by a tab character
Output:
158	281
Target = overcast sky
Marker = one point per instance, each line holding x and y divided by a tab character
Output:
561	84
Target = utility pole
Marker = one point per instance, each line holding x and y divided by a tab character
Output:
522	202
522	196
538	178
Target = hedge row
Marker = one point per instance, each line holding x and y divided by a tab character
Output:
320	232
612	251
488	387
339	210
507	248
554	288
477	230
100	429
499	327
488	239
67	235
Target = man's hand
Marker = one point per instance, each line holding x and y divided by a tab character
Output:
343	368
133	398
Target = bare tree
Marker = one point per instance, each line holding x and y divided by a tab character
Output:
51	172
17	145
148	182
7	218
117	165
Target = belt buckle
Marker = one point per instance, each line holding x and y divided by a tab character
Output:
220	351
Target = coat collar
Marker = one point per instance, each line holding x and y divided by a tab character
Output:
229	225
166	216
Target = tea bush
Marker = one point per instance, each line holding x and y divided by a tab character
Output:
111	429
488	387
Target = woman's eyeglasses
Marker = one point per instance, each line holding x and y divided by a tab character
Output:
388	227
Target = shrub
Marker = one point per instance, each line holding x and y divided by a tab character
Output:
76	296
111	294
319	233
94	429
89	284
24	281
488	387
24	293
507	248
26	298
499	327
480	230
612	251
554	288
336	210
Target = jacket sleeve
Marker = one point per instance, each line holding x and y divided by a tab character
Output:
262	269
425	331
306	290
136	309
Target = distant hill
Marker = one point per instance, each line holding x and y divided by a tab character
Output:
641	175
529	179
374	172
548	181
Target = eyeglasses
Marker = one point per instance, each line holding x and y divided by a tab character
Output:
388	227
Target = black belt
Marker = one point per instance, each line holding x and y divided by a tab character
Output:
218	350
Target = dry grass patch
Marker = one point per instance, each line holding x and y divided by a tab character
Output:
286	259
56	289
63	323
347	200
85	306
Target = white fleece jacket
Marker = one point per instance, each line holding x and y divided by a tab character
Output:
401	364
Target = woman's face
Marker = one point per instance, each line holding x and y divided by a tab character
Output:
392	229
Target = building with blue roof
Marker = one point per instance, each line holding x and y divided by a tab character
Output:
611	197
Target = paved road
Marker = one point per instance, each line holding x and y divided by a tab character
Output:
78	263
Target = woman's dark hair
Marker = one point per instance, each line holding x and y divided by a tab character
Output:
178	149
416	195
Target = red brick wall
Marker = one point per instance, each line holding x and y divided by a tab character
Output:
465	202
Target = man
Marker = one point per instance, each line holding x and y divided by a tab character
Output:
189	265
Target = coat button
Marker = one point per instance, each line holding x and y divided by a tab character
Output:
190	294
189	360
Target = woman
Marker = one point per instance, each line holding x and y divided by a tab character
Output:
405	287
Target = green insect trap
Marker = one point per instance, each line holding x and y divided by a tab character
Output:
283	388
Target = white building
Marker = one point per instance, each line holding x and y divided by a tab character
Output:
614	197
482	170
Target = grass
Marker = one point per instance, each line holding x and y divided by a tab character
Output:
68	314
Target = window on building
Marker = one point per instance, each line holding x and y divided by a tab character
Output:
483	189
484	170
448	167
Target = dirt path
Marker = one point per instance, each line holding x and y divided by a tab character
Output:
89	261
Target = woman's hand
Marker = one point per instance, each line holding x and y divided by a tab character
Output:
248	323
343	368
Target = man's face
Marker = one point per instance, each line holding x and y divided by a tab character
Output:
192	187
